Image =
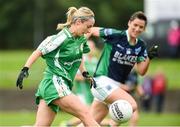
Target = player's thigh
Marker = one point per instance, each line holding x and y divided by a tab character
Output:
121	94
45	115
99	110
72	104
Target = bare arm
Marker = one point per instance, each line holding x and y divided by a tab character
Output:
24	71
33	57
79	77
142	67
93	32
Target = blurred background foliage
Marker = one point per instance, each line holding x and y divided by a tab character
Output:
24	24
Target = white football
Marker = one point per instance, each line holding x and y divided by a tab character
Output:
120	111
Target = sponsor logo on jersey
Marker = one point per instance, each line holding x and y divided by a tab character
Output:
126	59
70	64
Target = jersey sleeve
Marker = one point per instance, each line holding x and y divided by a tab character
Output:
143	53
51	43
86	48
109	34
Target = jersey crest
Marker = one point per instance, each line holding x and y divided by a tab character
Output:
128	51
137	50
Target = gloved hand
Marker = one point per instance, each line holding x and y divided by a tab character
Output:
153	52
90	78
23	74
85	74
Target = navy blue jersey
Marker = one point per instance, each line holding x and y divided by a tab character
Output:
119	56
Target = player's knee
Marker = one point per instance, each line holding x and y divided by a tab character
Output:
84	114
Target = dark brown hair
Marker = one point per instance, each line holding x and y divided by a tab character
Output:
139	15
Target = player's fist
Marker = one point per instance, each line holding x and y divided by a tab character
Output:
85	74
23	74
153	52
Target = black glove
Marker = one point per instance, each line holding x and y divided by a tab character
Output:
90	78
85	74
153	52
23	74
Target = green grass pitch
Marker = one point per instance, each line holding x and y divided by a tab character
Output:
11	63
23	118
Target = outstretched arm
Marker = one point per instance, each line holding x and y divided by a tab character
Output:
33	57
24	71
142	67
93	32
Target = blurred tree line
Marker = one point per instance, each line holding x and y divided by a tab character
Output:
25	23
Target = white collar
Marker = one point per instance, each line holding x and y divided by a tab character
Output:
128	37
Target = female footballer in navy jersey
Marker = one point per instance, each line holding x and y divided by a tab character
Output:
122	51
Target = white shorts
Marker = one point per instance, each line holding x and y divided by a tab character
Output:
105	86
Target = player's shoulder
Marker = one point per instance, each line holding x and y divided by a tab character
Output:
65	33
142	42
110	31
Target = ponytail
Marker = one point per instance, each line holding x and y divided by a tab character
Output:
73	14
69	14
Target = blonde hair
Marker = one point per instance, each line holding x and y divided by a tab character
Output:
73	14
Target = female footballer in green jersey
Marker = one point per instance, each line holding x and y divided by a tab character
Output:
63	55
81	87
122	51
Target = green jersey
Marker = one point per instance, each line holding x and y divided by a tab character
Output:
63	54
